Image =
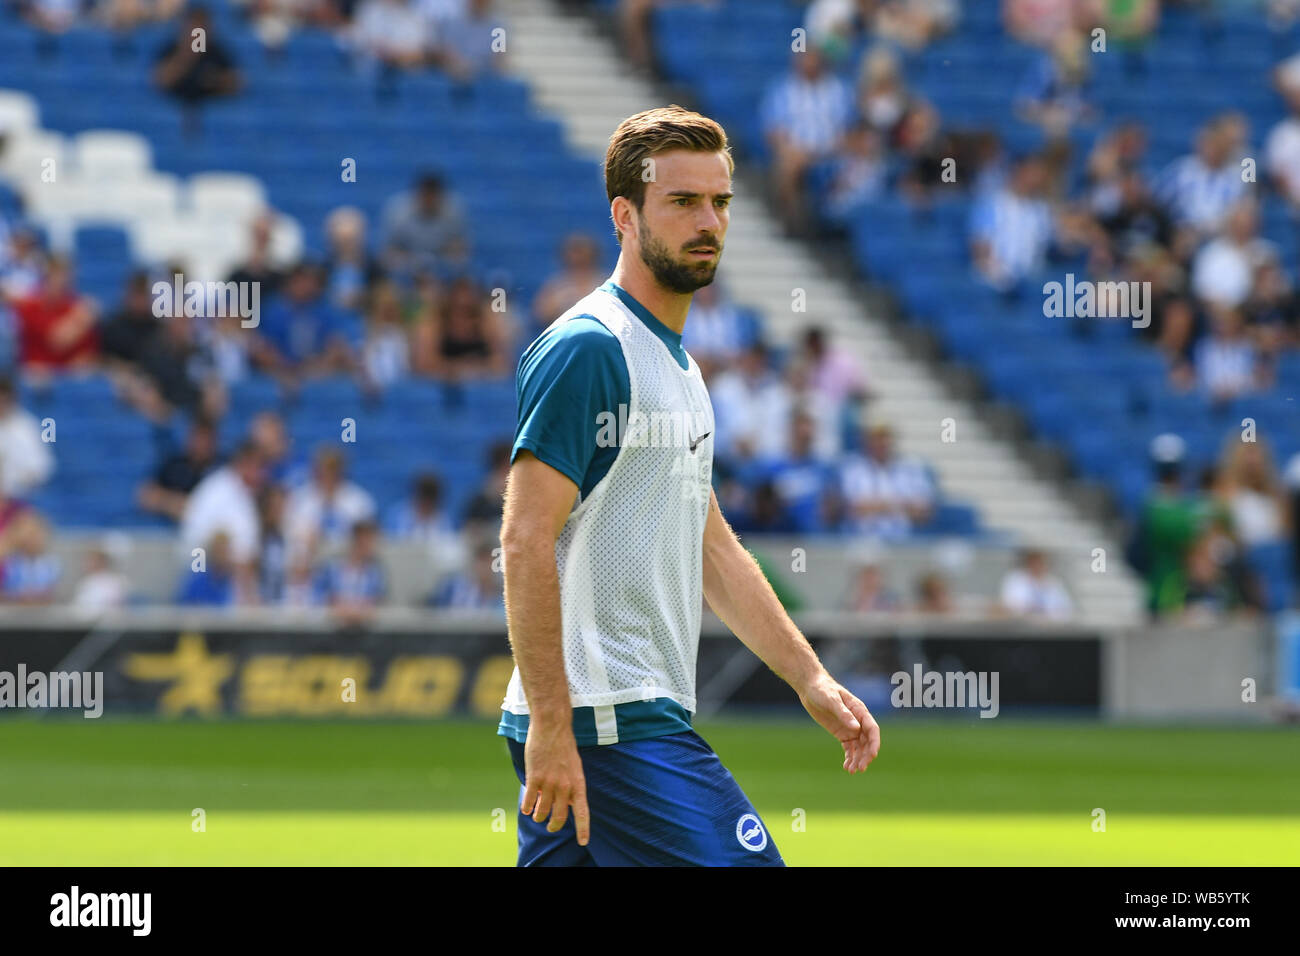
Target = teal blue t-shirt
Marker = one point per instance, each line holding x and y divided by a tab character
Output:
567	378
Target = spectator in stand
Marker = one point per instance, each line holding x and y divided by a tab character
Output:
437	13
51	16
423	518
22	263
478	589
26	461
485	508
301	584
718	329
29	573
885	496
1227	363
580	273
21	267
349	270
1200	188
471	43
1128	23
1282	148
833	371
1169	523
1132	225
463	340
11	509
859	174
933	596
763	512
1227	268
225	503
268	434
273	557
869	594
1211	591
103	587
260	267
123	16
827	414
56	326
1253	491
386	349
324	510
179	474
922	149
1012	228
1040	22
748	398
274	21
391	35
804	116
355	583
1117	153
802	479
195	66
913	24
835	26
125	337
1055	94
218	583
301	334
179	374
1031	589
424	231
882	99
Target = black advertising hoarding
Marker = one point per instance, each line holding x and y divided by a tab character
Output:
211	668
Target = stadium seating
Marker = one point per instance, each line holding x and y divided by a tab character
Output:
1096	389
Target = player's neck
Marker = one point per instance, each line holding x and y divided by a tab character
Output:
668	307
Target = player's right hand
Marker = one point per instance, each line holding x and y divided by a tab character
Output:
553	779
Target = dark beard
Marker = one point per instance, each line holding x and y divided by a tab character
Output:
680	277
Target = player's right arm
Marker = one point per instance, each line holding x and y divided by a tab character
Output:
537	504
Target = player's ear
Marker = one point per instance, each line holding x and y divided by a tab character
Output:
623	212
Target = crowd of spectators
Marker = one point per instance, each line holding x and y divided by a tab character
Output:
1029	590
799	451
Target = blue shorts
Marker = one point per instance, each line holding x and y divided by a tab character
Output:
661	801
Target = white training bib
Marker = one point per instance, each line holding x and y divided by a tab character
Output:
630	555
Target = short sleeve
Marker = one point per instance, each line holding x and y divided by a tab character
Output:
569	379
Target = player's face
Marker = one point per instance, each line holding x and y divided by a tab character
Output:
683	221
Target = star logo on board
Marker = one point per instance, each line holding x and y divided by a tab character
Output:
195	675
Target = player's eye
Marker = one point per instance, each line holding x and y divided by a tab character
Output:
681	200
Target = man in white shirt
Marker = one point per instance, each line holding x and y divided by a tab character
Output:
25	461
325	508
1223	272
1031	590
1282	148
886	495
226	502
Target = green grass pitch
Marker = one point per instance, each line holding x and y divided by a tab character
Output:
977	792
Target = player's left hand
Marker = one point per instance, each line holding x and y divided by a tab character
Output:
845	718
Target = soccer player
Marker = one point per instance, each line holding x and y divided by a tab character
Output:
612	536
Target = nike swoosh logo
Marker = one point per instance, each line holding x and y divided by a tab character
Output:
696	441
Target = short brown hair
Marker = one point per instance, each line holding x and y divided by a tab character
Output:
656	131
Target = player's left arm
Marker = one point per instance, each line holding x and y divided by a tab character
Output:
740	595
